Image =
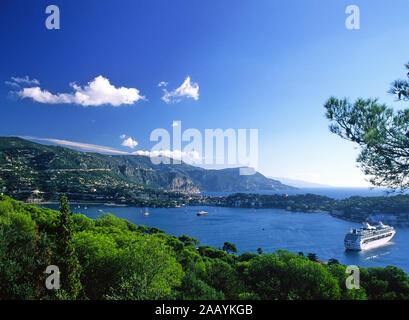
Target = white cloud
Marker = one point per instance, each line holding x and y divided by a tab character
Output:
25	80
84	146
18	82
188	157
162	84
188	89
12	84
122	136
129	142
97	92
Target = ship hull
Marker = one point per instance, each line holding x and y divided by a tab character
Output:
362	245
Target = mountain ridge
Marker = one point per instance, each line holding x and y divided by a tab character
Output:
29	166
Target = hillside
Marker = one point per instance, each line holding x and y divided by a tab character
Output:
26	166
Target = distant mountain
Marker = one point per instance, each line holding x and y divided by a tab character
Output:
28	166
301	183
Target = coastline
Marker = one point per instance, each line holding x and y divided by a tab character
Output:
391	210
89	203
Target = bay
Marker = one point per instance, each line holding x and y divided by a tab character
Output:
269	229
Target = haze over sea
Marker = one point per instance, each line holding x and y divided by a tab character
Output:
335	193
269	229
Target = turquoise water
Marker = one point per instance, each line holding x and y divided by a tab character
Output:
270	229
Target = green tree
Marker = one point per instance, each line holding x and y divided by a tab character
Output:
333	261
260	251
189	241
312	257
223	277
246	256
284	275
126	265
381	133
195	289
65	258
24	252
229	247
385	283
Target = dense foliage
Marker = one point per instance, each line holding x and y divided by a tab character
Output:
111	258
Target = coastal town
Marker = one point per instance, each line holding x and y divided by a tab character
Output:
389	209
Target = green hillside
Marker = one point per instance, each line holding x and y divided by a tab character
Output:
26	166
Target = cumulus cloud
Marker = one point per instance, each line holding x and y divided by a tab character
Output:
129	142
188	89
97	92
122	136
162	84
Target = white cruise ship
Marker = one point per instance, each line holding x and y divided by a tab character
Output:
368	237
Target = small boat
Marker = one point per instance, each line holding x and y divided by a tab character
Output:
100	210
146	213
202	213
85	207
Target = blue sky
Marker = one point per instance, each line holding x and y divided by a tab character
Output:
262	64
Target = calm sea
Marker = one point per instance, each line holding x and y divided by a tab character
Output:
269	229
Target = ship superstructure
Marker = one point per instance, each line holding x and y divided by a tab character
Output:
368	237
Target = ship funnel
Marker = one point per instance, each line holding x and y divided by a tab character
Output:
368	226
